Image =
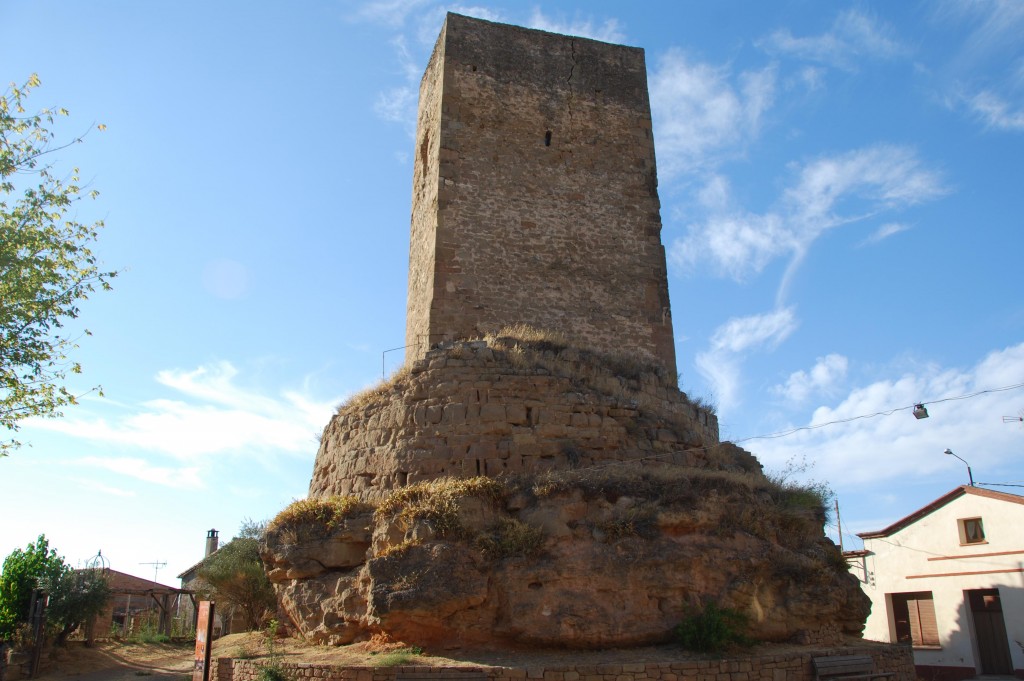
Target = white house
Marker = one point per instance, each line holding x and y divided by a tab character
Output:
949	580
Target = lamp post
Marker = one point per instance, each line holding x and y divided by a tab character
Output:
969	476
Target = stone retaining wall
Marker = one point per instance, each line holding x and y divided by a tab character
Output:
493	407
791	666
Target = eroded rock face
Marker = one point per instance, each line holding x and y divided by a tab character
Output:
574	559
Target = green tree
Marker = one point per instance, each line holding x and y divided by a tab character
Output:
76	596
22	572
234	577
47	267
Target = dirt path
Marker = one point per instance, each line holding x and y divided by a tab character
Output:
113	661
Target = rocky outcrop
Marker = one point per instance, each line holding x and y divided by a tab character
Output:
585	558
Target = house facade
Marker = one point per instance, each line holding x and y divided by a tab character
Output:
949	580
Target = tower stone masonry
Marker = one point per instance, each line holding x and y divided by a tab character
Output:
535	194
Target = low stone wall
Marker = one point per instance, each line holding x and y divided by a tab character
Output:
783	666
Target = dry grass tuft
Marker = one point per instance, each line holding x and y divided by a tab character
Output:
325	512
377	393
437	501
510	537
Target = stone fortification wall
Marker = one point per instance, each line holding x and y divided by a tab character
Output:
490	407
535	193
771	667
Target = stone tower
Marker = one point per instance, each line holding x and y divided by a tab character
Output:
535	194
539	490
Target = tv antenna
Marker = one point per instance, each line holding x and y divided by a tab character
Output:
156	567
1019	418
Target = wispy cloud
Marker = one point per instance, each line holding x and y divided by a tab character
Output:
608	31
702	113
387	12
822	378
986	72
211	414
884	232
854	38
720	364
995	112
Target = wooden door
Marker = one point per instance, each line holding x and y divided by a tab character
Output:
990	630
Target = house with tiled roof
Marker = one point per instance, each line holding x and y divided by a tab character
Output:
948	580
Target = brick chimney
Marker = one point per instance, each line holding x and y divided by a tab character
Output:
211	542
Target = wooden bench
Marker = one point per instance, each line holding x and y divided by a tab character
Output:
845	667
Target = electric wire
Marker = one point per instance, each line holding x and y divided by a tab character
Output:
888	412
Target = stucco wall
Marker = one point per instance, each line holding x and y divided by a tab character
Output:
927	556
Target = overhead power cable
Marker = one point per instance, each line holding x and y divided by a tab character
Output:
888	412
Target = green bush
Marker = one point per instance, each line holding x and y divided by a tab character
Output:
271	672
397	658
713	629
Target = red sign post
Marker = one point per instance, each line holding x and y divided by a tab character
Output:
204	642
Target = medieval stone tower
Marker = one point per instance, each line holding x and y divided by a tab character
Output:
535	194
522	487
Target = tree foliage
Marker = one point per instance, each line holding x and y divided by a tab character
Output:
22	572
234	577
75	595
47	267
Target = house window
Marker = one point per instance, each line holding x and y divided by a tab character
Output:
971	531
913	617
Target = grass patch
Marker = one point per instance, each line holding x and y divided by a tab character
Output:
327	512
397	658
510	537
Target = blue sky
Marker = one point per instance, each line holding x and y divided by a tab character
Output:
841	199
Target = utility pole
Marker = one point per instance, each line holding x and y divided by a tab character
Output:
839	523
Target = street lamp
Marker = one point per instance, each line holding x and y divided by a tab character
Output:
969	476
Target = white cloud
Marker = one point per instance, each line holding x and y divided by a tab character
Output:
608	32
884	232
720	363
828	192
822	378
853	38
883	176
211	416
699	115
736	244
858	453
